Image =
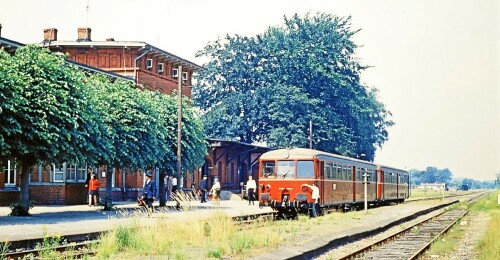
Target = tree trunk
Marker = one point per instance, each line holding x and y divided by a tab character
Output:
108	200
161	188
24	185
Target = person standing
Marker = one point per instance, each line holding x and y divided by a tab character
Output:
315	197
174	185
93	189
90	171
203	189
251	187
216	192
149	192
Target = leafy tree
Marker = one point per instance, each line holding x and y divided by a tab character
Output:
42	104
57	113
267	88
431	175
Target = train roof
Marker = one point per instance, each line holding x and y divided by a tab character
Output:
301	153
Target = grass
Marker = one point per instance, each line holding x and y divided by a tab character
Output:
418	193
198	237
489	245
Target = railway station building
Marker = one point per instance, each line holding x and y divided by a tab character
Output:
150	68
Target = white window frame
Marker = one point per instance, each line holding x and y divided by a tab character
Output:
11	174
175	73
184	76
76	173
149	63
55	172
159	67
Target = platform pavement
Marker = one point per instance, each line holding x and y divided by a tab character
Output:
77	219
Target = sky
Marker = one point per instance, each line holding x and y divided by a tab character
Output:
436	64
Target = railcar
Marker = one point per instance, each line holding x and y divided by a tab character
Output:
340	179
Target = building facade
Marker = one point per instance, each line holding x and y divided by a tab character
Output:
150	68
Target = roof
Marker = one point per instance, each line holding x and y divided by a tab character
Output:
10	46
225	143
141	46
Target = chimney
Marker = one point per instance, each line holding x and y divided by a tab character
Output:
49	35
84	34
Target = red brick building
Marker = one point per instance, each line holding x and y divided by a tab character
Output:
150	68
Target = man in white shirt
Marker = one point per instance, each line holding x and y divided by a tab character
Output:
174	185
251	187
315	197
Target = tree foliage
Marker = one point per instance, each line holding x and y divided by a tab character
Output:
431	175
267	88
54	112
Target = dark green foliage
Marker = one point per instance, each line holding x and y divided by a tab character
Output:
53	112
267	88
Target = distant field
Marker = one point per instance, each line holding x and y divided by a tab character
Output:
418	193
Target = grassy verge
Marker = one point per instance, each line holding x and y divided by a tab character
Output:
489	245
198	237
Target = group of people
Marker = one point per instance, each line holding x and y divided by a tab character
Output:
149	191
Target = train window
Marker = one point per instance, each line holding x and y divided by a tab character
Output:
340	172
334	171
349	172
328	171
286	169
305	169
268	169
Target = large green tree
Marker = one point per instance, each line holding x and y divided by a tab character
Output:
53	112
42	101
267	88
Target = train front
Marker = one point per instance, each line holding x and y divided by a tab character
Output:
282	177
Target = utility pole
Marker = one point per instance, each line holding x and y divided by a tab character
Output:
179	124
310	134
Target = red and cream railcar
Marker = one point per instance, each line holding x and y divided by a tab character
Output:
340	180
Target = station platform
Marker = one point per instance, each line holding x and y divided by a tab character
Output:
78	219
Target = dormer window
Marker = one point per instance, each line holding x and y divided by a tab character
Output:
149	64
159	68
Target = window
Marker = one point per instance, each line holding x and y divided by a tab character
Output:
149	63
76	173
328	171
175	73
268	169
184	76
286	169
305	169
57	172
159	68
10	173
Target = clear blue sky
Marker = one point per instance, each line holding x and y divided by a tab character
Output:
435	63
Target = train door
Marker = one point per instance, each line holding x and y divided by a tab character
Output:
397	185
380	184
321	182
354	182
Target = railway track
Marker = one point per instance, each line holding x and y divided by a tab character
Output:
412	241
79	245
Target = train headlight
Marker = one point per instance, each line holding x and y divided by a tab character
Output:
265	197
268	188
301	197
